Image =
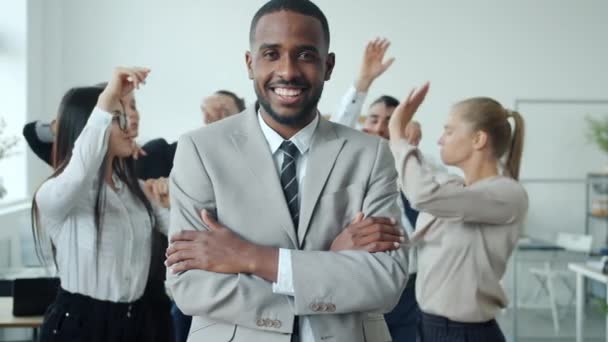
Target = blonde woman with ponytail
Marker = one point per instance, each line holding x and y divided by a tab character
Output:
468	227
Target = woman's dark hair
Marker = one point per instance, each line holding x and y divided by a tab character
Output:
74	111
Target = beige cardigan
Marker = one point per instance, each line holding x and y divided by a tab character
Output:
464	235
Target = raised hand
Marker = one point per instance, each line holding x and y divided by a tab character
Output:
404	112
413	133
373	63
123	82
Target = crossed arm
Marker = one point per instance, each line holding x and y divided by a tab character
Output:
213	273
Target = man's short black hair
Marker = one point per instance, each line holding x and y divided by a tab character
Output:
240	103
304	7
387	100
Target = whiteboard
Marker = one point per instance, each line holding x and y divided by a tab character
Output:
556	160
556	145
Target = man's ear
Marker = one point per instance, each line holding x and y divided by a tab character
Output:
249	61
329	65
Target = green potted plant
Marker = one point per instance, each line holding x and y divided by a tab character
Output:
598	132
7	144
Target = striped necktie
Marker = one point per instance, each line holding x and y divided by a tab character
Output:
289	180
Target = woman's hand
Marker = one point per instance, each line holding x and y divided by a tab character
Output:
404	112
123	81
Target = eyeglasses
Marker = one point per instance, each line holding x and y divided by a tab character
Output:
121	118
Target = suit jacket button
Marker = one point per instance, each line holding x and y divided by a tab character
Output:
268	323
331	308
260	322
314	307
323	307
276	324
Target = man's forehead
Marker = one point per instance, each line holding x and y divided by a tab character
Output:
218	100
213	99
288	29
380	110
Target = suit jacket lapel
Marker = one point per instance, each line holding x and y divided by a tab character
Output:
324	150
253	148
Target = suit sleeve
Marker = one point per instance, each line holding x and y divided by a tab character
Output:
239	299
355	281
155	163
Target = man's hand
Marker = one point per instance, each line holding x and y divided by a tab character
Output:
220	250
372	234
157	191
404	112
373	63
413	133
213	109
216	250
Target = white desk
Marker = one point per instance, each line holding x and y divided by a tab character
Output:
585	271
7	320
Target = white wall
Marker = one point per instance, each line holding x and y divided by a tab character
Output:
512	49
507	50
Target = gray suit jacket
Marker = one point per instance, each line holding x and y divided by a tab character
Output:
228	167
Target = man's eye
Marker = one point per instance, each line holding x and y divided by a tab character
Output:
271	55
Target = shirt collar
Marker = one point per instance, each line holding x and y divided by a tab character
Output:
302	139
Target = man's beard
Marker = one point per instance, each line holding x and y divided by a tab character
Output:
300	117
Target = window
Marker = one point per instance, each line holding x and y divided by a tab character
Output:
13	86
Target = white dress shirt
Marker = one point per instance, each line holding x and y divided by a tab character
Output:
302	140
115	268
350	108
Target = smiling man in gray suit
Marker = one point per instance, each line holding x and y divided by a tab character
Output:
260	201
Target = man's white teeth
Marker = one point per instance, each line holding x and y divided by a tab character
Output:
287	91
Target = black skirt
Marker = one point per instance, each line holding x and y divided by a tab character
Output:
440	329
75	317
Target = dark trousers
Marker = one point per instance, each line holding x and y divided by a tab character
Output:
403	320
78	318
439	329
181	324
158	305
158	312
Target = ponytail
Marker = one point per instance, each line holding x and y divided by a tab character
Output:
517	145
